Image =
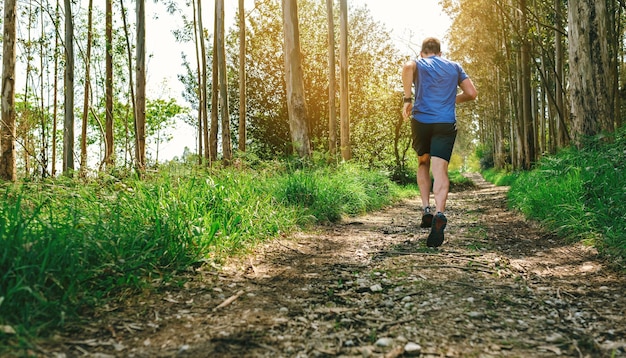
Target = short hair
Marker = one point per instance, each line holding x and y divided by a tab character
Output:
431	45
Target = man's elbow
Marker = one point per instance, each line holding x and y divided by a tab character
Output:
472	94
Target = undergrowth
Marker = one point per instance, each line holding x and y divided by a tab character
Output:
580	194
70	245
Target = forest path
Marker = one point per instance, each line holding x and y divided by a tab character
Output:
369	287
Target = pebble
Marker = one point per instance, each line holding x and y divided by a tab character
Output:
412	349
384	342
376	288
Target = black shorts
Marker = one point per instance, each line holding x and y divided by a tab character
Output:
436	139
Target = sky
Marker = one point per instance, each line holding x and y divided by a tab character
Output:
409	22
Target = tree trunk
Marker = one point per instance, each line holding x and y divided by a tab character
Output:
591	104
526	99
7	131
227	151
241	145
197	33
140	115
561	136
296	104
131	84
55	105
332	109
203	87
214	94
83	137
68	126
346	152
109	147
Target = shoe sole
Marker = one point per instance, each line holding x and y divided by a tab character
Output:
436	237
427	220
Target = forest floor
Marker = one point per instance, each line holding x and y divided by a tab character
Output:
369	287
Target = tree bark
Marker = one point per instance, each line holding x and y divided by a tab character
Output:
214	94
346	151
294	79
227	151
68	126
241	145
131	83
83	137
140	115
7	131
332	85
204	126
591	103
109	160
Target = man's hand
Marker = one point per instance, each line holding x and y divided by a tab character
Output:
406	110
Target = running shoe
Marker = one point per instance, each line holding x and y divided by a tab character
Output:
435	239
427	218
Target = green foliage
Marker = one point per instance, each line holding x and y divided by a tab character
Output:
69	246
326	194
500	177
580	194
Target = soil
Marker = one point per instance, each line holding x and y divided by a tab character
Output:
500	286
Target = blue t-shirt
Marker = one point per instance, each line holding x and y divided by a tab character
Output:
436	89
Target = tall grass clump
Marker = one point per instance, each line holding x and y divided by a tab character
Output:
581	194
68	246
325	194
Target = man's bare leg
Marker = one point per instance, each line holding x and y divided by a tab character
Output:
441	184
423	179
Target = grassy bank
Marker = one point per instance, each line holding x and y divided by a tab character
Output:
68	246
580	195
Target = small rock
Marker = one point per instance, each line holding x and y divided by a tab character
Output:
475	314
283	310
376	288
384	342
554	338
412	349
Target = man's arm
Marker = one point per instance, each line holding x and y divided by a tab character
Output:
468	93
408	70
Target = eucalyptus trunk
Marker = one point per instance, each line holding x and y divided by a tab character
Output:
7	127
241	145
227	151
346	151
294	80
140	115
332	85
589	80
68	125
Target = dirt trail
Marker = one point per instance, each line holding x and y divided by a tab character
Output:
499	286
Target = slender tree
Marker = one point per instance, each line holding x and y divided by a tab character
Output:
227	151
296	103
7	127
131	85
214	93
109	143
242	78
344	106
83	138
55	105
332	107
68	125
140	115
203	86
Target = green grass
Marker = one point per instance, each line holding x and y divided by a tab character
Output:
68	246
580	194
